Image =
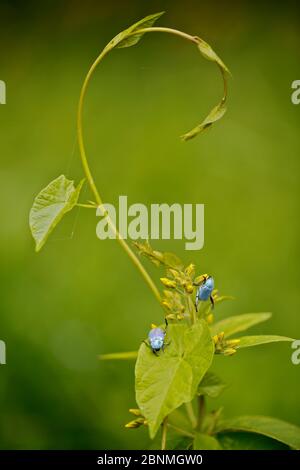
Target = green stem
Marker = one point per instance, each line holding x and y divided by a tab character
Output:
164	434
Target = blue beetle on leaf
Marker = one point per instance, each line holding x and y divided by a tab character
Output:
204	291
156	339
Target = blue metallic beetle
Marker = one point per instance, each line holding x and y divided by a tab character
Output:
156	339
205	289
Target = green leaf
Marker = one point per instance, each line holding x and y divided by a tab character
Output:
166	381
127	37
118	356
248	341
220	109
215	114
238	323
205	442
49	207
248	441
211	385
286	433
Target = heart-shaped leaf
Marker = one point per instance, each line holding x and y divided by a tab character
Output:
50	205
274	428
166	381
205	442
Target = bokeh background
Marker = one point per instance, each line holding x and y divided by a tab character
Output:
80	296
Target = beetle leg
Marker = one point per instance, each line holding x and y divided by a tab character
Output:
196	303
167	324
147	344
212	301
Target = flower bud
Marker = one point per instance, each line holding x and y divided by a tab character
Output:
190	270
171	316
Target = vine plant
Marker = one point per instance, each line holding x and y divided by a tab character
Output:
171	387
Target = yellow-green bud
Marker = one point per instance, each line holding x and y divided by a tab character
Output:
215	339
221	336
189	288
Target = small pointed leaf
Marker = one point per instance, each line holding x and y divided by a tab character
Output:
249	341
237	323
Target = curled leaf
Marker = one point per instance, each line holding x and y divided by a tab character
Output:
49	207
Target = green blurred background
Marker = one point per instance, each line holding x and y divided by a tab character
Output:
81	296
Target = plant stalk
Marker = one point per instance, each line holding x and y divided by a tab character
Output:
164	434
